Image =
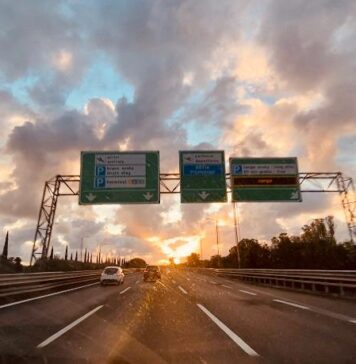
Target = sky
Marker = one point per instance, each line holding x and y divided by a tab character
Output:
273	78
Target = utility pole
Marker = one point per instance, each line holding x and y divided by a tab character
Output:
201	249
236	237
217	236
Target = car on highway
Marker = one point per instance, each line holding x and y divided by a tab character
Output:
112	275
151	273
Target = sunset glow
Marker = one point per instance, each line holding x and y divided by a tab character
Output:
260	82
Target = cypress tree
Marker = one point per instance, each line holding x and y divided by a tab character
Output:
5	250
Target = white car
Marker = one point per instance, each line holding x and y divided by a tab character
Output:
112	275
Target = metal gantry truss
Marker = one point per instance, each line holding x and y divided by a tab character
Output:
68	185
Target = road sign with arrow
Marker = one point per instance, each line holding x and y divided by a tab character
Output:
119	178
202	176
265	180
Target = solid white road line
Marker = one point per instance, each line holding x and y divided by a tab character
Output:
223	285
125	290
292	304
183	290
46	295
173	281
67	328
247	292
242	344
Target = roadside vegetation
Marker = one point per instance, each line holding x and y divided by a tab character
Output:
314	248
55	263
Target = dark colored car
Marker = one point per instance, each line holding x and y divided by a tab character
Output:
151	273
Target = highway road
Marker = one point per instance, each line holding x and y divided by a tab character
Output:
184	318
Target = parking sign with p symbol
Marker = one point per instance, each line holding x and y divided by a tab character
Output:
100	171
100	182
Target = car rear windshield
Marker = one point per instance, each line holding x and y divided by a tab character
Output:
110	270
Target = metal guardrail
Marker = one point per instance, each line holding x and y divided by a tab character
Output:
339	282
20	284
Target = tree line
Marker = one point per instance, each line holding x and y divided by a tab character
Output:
315	248
66	262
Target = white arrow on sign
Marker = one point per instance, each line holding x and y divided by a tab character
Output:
294	195
90	197
203	195
147	195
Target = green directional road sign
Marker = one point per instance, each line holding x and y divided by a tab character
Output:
202	176
264	179
119	178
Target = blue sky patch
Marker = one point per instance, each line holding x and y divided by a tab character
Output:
101	80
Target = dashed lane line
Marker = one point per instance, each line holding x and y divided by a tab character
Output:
223	285
234	337
68	327
292	304
183	290
162	284
248	292
125	290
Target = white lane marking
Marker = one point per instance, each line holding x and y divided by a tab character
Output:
125	290
247	292
188	279
162	284
292	304
212	282
183	290
242	344
137	282
173	281
46	295
223	285
67	328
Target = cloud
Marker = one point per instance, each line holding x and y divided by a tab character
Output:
271	80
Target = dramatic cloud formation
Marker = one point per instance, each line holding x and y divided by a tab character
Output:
251	78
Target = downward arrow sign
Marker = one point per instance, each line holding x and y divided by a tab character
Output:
203	195
294	195
90	197
148	196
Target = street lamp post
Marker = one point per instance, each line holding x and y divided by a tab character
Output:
217	237
236	238
201	248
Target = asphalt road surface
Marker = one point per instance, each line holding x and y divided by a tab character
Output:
184	318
